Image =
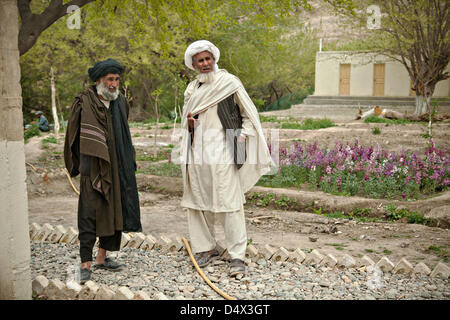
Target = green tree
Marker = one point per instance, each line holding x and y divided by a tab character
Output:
269	51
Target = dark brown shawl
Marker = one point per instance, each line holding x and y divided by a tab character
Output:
91	125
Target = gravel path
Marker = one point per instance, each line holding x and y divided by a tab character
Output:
173	275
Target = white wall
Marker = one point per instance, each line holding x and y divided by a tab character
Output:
327	76
397	80
443	87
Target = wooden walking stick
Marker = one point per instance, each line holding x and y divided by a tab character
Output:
188	248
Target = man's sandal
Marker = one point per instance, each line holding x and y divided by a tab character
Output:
206	257
109	264
237	266
85	275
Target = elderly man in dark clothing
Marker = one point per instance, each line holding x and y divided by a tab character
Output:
98	147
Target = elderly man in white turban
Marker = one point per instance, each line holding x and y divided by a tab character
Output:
223	154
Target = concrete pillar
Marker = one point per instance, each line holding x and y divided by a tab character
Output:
15	275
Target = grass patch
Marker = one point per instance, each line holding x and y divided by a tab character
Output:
50	140
270	199
398	236
268	118
147	157
338	246
375	119
167	169
367	215
376	130
439	251
309	124
357	214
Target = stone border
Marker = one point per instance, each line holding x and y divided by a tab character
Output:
55	289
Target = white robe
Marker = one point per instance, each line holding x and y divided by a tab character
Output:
211	180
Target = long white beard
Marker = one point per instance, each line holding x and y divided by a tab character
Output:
207	77
103	91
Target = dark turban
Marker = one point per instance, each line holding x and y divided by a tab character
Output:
102	68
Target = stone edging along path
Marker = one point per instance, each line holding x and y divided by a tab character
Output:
56	289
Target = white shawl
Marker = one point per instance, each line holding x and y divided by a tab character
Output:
198	100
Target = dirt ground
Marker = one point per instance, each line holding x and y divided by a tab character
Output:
52	199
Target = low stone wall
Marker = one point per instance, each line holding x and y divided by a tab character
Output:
56	289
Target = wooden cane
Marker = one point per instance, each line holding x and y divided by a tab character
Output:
188	248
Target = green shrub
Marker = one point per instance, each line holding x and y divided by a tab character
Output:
31	132
413	217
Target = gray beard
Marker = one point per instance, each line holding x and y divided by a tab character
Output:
103	91
206	77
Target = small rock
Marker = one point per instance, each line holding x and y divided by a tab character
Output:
55	290
104	293
347	261
441	270
39	284
422	268
189	288
385	264
141	295
261	262
346	279
391	293
160	296
253	288
123	293
88	291
403	266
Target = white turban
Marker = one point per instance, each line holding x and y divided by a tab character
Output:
197	47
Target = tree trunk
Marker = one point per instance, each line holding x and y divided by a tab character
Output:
421	106
15	274
155	148
430	119
54	111
175	107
